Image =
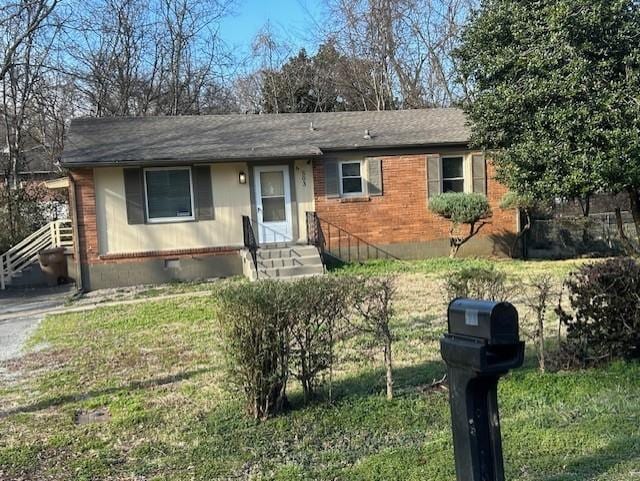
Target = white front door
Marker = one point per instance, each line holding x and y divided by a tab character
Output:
273	204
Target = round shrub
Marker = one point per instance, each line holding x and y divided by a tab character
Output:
460	207
477	283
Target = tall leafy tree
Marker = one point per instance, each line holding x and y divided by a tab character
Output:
556	94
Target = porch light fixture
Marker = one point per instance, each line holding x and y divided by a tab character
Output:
242	177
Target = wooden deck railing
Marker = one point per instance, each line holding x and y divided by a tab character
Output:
58	233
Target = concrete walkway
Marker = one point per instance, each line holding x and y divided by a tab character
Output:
20	313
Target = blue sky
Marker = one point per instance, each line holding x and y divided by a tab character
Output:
293	20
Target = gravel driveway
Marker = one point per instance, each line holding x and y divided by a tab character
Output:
22	311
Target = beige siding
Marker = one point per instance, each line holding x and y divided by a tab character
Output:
303	172
116	236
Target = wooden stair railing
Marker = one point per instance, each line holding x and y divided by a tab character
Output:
58	233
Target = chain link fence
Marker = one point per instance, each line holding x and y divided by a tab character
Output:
567	237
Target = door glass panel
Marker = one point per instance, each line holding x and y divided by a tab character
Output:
272	184
273	209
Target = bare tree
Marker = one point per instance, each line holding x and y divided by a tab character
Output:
409	45
28	130
145	57
20	21
537	296
109	54
192	50
373	303
23	80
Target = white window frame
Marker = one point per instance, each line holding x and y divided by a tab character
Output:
160	220
340	176
463	179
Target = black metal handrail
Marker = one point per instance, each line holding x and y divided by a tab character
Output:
250	241
319	234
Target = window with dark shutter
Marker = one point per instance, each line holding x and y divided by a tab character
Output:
134	195
331	179
453	174
479	170
434	175
203	192
374	176
351	182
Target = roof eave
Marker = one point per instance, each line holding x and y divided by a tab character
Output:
258	158
347	148
184	161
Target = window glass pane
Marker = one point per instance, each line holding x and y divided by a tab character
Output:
452	167
453	185
351	169
352	185
168	193
272	183
273	209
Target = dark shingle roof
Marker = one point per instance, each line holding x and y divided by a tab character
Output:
108	141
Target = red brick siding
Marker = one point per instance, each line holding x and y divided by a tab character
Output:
401	214
85	205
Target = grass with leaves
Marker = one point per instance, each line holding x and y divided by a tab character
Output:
154	368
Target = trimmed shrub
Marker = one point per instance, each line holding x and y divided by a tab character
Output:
461	209
320	304
254	321
605	320
271	330
477	283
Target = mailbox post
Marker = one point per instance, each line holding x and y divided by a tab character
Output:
482	344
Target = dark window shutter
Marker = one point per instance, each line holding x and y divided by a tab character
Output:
434	174
374	176
134	195
479	172
331	179
203	194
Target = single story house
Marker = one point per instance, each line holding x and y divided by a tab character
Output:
161	198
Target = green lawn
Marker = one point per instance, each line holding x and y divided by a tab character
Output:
155	368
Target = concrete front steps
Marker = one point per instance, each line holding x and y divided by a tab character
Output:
283	262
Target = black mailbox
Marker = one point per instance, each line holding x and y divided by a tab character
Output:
482	344
494	322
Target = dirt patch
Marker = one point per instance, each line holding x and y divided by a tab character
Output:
100	415
42	359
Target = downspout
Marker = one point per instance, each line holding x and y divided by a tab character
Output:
76	236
